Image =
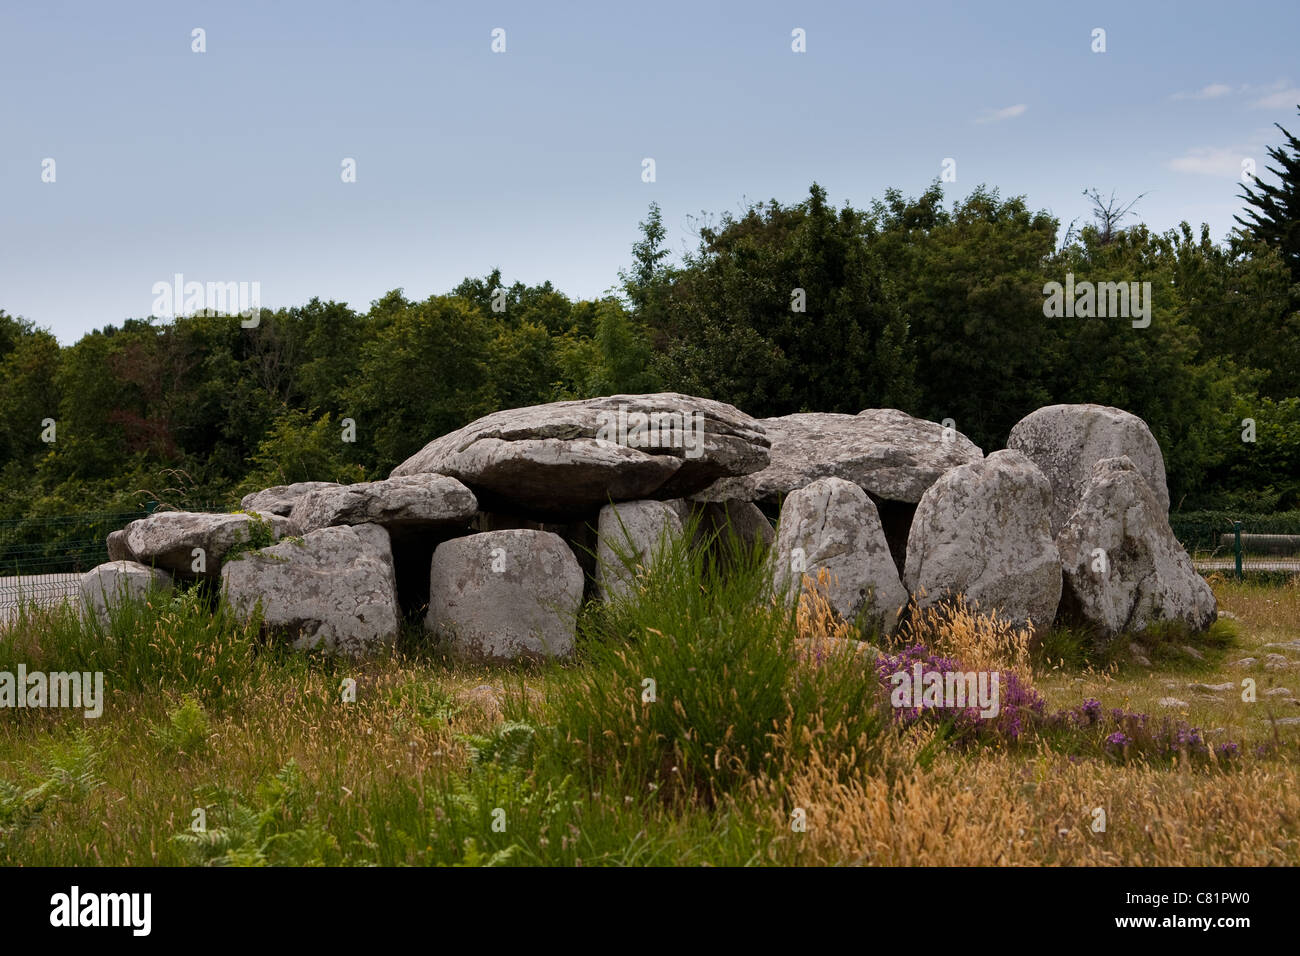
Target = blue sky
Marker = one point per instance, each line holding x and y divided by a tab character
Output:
225	165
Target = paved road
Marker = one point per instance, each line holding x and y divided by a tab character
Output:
48	590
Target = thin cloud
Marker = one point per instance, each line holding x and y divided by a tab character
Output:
1279	100
1278	95
1223	162
1213	91
997	116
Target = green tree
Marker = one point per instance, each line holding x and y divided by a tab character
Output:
782	310
1275	216
424	372
970	283
300	448
30	391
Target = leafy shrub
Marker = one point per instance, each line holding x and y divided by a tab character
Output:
259	534
276	830
186	730
1201	530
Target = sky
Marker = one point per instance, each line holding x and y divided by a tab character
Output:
227	165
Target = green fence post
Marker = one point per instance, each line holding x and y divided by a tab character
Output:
1236	547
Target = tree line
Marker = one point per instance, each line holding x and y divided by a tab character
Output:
933	308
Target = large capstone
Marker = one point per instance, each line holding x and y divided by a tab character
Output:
502	595
280	499
983	530
118	550
424	501
832	524
194	544
567	459
1124	569
883	451
333	589
1066	441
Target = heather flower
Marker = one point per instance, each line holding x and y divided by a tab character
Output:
1017	703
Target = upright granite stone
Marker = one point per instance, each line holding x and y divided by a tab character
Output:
333	589
883	451
416	501
832	524
280	499
108	585
1065	441
741	519
567	459
502	595
984	530
169	539
631	535
1124	569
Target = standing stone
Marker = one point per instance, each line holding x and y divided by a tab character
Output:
333	590
984	530
1124	569
108	585
1065	441
417	501
502	595
832	524
741	519
631	536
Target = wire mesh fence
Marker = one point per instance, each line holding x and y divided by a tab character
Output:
1240	546
42	558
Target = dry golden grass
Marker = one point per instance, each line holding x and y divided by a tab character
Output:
816	618
1273	613
385	738
821	631
980	641
1008	808
1000	809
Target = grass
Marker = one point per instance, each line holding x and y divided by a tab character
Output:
753	743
